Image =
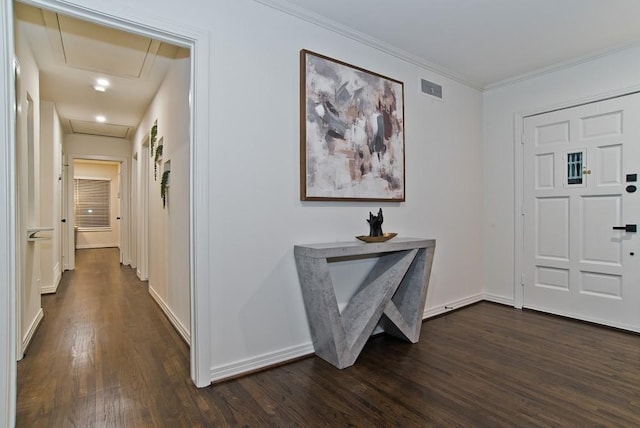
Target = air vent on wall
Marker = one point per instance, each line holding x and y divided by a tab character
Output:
432	89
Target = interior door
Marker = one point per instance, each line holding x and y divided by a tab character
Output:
581	208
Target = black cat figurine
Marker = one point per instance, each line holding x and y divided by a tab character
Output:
375	224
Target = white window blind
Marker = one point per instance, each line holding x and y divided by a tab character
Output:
92	203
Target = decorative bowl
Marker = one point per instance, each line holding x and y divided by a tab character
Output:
382	238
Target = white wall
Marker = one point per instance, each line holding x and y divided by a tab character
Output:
28	194
256	306
90	145
256	310
50	195
586	81
168	244
104	171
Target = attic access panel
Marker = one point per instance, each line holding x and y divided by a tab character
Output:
101	129
90	46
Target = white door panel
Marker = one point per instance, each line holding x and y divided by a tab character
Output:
577	166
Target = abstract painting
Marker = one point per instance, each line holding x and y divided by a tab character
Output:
351	132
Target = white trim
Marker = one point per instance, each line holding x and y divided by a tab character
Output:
53	287
124	184
26	340
518	206
503	300
559	66
323	22
90	246
133	19
365	39
247	365
200	276
173	319
452	305
580	317
8	299
142	216
518	126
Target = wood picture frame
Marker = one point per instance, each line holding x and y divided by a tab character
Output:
352	140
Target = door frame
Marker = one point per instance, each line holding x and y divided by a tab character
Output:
125	209
142	226
8	259
139	21
518	162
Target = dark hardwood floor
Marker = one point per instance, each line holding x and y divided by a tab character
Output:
105	356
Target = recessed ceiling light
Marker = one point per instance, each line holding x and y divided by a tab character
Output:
99	88
101	118
102	82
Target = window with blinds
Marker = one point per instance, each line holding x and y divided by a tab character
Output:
92	203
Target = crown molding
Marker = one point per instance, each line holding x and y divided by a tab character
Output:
315	19
560	66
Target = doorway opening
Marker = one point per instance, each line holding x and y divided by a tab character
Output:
192	41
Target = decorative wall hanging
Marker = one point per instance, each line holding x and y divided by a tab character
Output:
157	159
153	135
164	187
351	132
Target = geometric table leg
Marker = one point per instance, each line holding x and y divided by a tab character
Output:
392	296
327	332
403	314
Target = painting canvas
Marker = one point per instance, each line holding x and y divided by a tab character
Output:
352	132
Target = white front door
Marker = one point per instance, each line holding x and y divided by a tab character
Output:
581	172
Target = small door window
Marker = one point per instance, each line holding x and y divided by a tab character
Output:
574	168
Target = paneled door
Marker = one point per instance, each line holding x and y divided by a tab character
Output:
581	211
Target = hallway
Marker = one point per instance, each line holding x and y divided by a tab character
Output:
114	357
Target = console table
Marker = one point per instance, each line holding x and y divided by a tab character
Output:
393	294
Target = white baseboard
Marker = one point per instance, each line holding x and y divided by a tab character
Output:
139	275
252	364
89	246
49	289
450	306
173	319
52	288
248	365
32	330
508	301
565	314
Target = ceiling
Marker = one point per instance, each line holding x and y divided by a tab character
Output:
481	42
72	54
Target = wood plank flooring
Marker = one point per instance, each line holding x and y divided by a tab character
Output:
105	356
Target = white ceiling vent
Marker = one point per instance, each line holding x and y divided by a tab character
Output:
100	129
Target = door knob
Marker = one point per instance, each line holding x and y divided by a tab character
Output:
627	228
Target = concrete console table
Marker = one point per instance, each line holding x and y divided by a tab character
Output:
392	295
